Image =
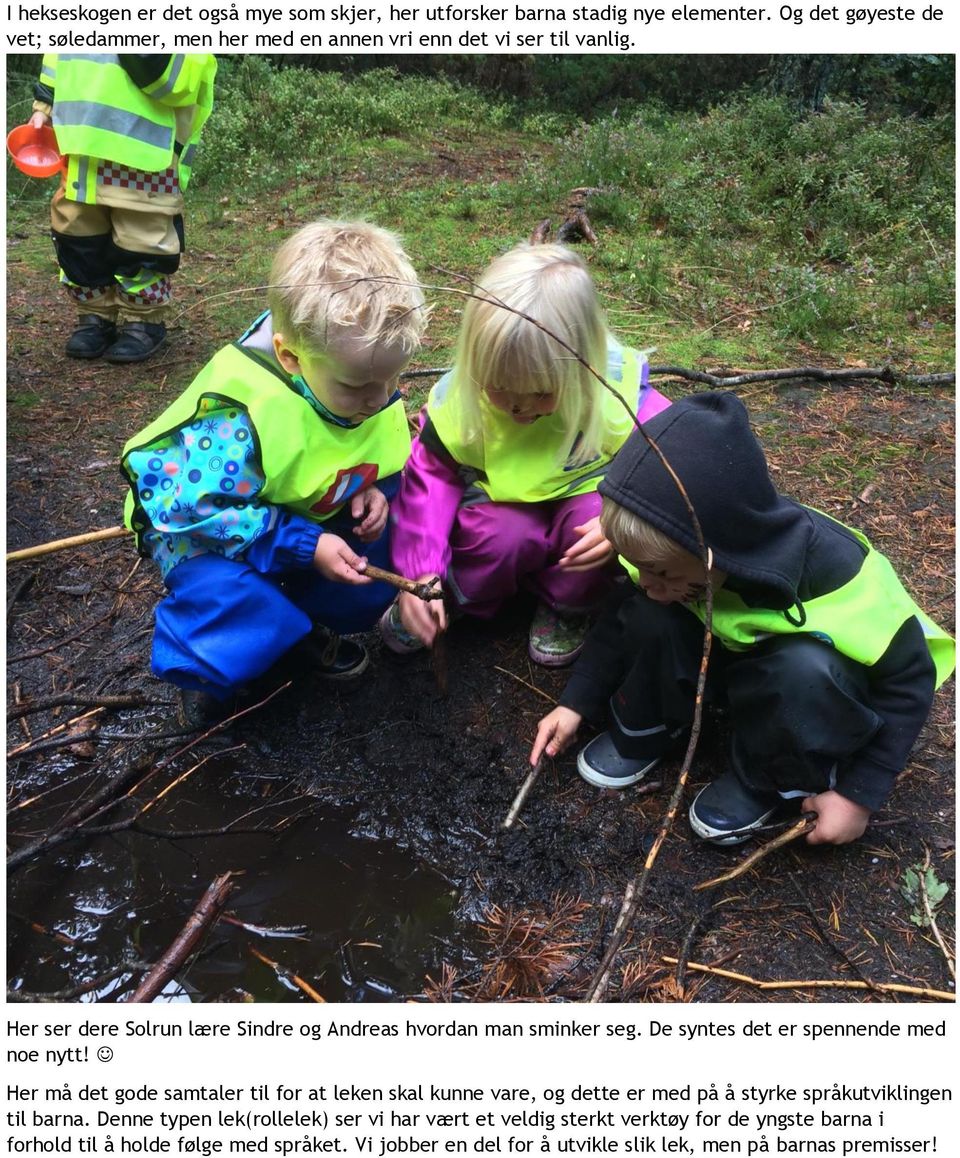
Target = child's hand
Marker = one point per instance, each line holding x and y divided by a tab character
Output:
424	618
38	120
589	551
371	507
839	820
335	560
555	733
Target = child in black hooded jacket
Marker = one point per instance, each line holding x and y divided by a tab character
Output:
825	664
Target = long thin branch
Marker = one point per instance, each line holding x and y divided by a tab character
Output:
635	890
882	987
848	374
72	541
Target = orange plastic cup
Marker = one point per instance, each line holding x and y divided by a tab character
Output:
34	151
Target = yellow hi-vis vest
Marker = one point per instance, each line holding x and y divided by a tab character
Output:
530	464
99	111
859	619
309	464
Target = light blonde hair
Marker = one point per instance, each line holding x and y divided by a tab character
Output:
636	539
335	275
501	350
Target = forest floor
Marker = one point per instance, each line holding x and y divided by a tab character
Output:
406	787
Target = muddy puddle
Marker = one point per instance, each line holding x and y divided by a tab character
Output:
358	919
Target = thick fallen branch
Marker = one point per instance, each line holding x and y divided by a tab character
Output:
879	986
75	699
202	918
848	374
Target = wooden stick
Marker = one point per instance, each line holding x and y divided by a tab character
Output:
438	657
931	916
286	974
429	590
883	987
63	544
421	590
199	921
520	798
802	826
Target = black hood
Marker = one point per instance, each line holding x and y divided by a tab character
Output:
758	537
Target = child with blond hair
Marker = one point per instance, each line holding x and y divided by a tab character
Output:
262	491
824	664
500	490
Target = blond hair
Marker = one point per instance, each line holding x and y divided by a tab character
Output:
501	350
636	539
335	275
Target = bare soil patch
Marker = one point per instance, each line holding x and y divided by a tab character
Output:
405	768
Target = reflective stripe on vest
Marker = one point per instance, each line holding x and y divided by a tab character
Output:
523	463
308	464
99	112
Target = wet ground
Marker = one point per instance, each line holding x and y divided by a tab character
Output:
377	869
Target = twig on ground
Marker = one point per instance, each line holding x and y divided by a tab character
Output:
878	986
58	644
526	683
634	892
286	975
804	825
929	913
687	947
76	991
202	918
885	374
76	699
824	932
63	544
525	787
31	745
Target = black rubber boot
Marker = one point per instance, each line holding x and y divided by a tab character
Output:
92	337
727	811
137	341
331	657
198	709
602	765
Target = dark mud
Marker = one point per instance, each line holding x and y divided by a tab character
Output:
380	858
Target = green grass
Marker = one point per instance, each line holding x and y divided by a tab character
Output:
745	236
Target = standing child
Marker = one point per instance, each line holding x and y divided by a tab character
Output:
500	490
260	487
128	125
826	665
